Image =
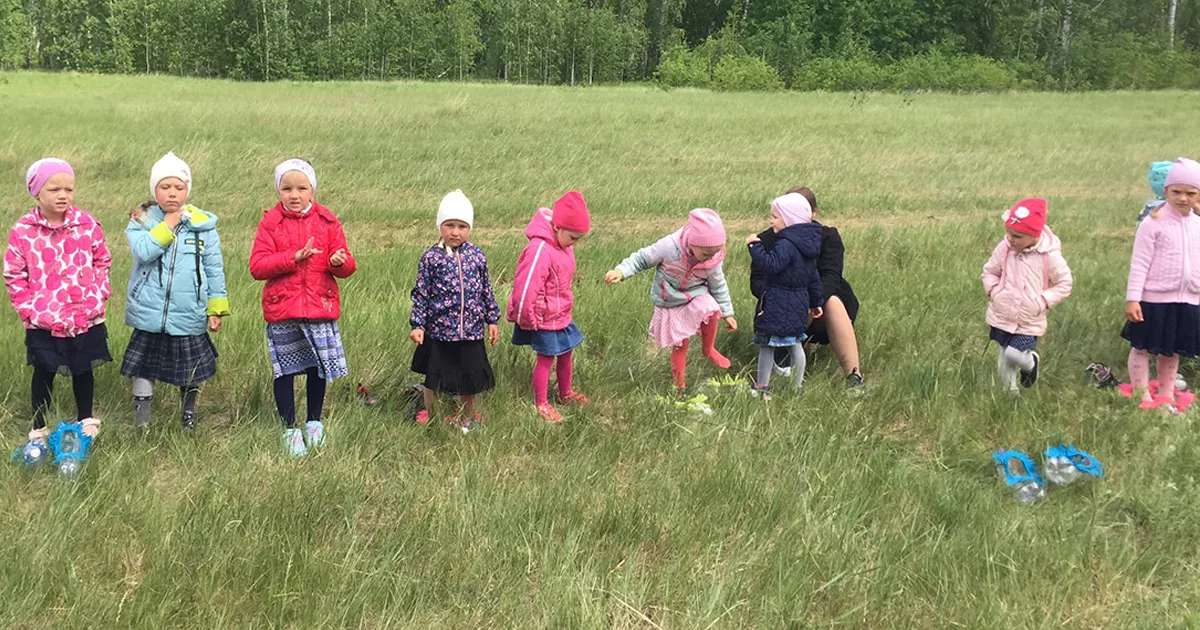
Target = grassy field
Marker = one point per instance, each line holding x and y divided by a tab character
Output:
821	511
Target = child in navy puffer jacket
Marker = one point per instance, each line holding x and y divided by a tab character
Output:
793	294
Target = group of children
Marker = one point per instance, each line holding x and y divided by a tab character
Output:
1027	275
57	266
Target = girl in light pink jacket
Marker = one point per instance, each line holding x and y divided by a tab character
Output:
1162	299
542	303
1025	277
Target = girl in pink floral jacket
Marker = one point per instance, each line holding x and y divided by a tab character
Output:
56	270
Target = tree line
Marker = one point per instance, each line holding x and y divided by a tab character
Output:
733	44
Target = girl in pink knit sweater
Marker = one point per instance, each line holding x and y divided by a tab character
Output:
1163	294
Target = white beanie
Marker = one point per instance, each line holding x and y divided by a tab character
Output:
456	207
170	166
296	164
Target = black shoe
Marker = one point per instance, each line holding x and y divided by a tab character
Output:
188	421
1030	377
1101	376
857	384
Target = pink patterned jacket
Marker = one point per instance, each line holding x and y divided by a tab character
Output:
57	275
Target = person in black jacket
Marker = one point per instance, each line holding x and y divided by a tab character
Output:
792	297
836	325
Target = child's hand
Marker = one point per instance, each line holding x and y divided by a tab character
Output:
1133	311
338	258
493	334
306	252
172	219
730	324
613	277
752	239
214	323
417	335
816	313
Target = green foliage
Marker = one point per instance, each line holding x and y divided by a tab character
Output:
740	73
841	75
811	44
682	68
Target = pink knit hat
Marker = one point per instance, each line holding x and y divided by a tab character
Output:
42	170
793	208
705	229
571	213
1185	172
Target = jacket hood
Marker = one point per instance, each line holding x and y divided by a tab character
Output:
805	236
71	218
540	227
1048	242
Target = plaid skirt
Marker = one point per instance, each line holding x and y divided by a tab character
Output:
183	361
299	344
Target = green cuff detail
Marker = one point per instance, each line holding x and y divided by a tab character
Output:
218	306
162	234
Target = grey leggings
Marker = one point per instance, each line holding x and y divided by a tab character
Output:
766	361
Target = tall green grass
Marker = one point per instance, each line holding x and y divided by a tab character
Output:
820	511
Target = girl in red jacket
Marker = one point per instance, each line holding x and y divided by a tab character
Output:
300	250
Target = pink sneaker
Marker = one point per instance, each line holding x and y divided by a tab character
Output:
573	398
548	413
423	417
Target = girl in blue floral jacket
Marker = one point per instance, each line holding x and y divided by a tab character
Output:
452	302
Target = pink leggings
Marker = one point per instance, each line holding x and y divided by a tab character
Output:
541	377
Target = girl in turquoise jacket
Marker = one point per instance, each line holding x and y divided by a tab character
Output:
176	293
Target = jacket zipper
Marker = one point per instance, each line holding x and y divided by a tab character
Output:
462	298
1187	261
303	285
170	279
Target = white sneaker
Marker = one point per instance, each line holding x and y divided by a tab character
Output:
785	372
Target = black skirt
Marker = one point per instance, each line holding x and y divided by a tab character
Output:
1166	329
454	367
820	334
183	361
67	355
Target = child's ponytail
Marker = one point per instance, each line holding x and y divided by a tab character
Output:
137	211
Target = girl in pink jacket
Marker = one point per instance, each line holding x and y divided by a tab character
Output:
1025	277
56	270
541	302
1162	299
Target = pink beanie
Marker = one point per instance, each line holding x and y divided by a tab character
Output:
705	229
1185	172
793	208
42	170
571	213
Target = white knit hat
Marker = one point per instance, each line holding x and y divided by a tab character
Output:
296	164
170	166
456	207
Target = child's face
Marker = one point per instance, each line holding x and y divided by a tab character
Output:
1020	241
567	238
455	233
295	193
171	194
776	220
703	254
1182	198
57	194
